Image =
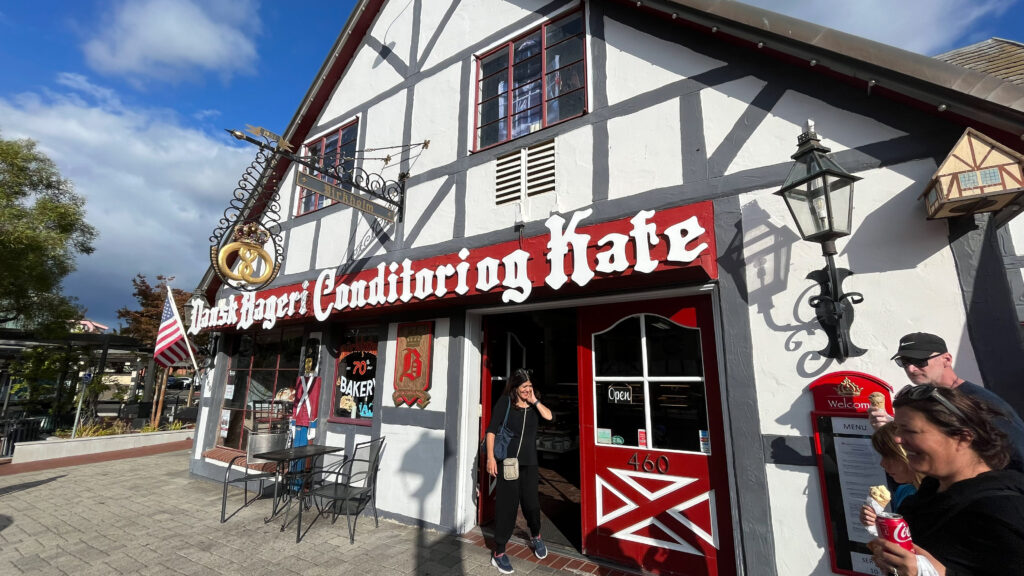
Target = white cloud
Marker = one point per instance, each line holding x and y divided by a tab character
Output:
154	188
170	39
924	26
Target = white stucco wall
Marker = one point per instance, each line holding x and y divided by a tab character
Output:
299	248
640	62
904	268
411	472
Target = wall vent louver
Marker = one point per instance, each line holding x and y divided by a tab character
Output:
526	172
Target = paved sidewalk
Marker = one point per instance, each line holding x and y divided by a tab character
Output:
148	516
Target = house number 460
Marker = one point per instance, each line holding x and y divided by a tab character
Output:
659	464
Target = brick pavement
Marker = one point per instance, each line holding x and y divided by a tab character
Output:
148	516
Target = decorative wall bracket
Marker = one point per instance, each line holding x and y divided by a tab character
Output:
834	310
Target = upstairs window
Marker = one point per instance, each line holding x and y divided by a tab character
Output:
546	70
334	150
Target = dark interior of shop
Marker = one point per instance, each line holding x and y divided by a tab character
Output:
545	342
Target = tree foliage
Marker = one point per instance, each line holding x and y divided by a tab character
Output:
42	229
143	324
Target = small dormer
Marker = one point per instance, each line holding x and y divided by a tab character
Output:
978	175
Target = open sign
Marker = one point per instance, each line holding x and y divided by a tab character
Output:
620	394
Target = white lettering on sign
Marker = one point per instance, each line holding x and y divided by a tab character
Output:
355	388
391	282
847	404
620	394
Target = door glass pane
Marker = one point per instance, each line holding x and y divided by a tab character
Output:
679	416
234	394
261	386
267	348
617	351
291	348
620	412
672	350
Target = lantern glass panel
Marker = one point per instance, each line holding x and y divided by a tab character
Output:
841	204
807	202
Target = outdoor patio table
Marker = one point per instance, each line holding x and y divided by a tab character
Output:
294	480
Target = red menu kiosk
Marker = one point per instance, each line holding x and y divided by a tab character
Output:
847	464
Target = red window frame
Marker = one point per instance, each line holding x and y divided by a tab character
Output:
545	77
309	201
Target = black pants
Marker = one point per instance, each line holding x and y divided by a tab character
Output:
509	494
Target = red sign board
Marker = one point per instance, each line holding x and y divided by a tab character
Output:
571	254
849	393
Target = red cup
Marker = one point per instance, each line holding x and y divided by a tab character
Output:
894	528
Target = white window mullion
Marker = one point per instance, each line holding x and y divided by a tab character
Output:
647	387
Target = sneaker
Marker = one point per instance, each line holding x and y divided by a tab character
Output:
539	549
502	563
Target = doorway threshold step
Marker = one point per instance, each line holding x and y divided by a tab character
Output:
559	557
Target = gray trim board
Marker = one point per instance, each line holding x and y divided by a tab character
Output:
408	416
599	90
991	315
752	519
453	408
789	450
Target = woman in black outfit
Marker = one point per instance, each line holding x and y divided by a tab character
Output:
520	402
967	518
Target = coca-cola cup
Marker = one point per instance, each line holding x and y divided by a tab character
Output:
893	528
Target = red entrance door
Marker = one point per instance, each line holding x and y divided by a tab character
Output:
653	473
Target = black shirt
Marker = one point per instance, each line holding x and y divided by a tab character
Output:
975	527
528	452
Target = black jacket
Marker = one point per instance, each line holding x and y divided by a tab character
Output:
975	528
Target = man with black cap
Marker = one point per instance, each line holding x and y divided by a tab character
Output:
926	360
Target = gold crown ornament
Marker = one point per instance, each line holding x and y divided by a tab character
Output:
848	388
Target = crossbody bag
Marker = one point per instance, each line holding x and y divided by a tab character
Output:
510	466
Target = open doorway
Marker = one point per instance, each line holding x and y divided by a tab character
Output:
545	342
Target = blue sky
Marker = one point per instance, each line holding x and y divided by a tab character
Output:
131	98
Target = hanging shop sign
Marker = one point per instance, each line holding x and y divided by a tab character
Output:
412	364
571	254
848	466
345	197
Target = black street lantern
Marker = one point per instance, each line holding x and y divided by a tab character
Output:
819	195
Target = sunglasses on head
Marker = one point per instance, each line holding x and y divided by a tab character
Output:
929	392
915	362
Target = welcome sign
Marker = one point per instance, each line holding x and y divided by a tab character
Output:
570	254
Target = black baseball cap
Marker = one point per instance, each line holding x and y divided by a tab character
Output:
920	345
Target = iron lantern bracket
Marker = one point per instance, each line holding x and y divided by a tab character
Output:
834	310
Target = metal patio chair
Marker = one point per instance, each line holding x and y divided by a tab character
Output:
255	470
347	487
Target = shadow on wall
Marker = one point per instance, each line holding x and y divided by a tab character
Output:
765	247
899	222
440	555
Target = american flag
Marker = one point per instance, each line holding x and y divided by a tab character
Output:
171	344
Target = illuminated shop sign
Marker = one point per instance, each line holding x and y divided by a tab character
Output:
570	254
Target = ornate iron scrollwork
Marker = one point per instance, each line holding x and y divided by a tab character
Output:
242	233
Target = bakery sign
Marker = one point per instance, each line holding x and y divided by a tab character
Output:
570	254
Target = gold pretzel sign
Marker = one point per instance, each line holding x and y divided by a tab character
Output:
249	257
247	244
